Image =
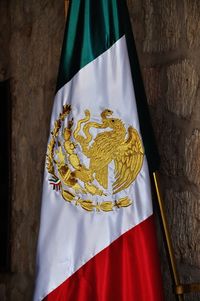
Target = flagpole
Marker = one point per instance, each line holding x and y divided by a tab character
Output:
180	289
167	236
66	3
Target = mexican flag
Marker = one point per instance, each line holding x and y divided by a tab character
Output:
97	237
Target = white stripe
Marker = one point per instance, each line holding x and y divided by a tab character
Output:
70	236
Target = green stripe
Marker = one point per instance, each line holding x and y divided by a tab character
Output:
93	26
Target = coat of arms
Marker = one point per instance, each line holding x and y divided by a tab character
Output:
101	144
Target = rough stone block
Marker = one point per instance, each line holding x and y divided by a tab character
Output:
167	136
184	219
162	25
136	17
192	157
152	82
192	20
182	84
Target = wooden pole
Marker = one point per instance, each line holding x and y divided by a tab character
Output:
66	3
180	289
167	235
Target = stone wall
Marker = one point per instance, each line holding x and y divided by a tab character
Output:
35	39
167	39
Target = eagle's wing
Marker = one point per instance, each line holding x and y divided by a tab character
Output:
128	161
101	153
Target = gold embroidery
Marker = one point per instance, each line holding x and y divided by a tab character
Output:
73	178
54	133
68	196
111	145
91	206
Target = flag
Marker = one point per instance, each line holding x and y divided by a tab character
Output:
97	237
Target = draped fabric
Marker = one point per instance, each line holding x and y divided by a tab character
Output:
116	273
97	240
92	27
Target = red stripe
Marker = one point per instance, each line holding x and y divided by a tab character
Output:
127	270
